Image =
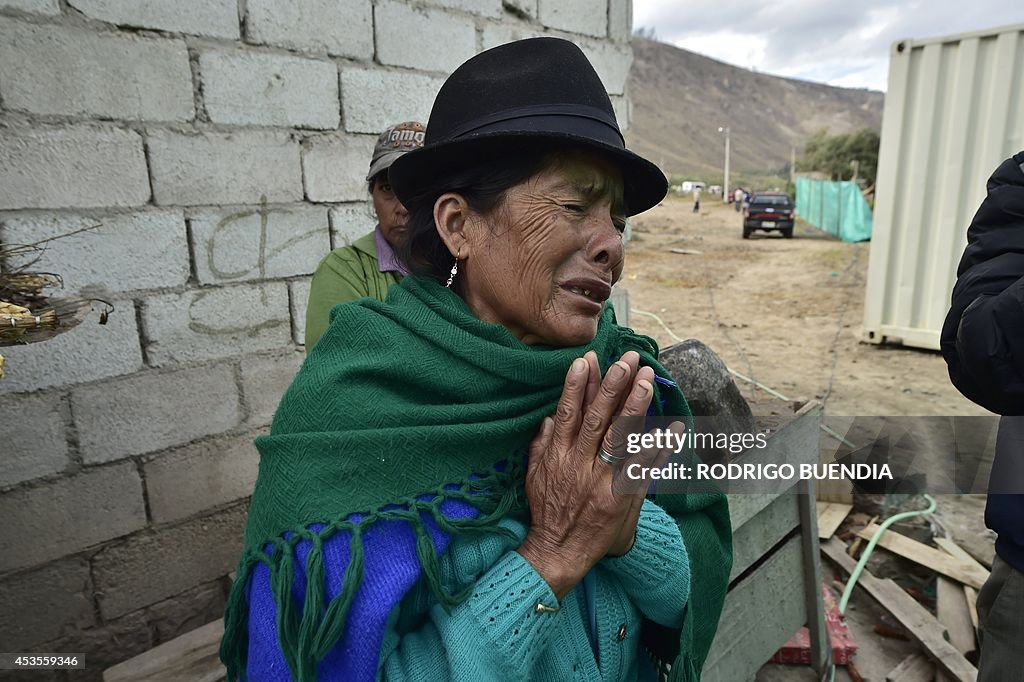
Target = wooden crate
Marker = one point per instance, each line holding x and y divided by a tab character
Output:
775	582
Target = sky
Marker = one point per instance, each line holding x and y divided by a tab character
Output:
840	42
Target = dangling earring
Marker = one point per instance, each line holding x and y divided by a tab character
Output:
455	269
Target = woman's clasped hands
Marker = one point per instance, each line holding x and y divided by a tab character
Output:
576	518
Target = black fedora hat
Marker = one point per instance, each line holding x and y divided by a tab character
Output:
534	91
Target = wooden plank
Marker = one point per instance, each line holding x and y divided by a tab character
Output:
830	515
914	668
918	622
929	557
835	493
952	611
192	656
950	547
760	614
756	537
821	650
742	508
858	541
970	593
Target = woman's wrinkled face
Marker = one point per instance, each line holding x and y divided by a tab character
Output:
391	215
543	263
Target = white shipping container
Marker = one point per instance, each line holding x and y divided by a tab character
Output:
954	111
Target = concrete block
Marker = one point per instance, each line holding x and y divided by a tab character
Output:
264	381
66	71
298	295
154	410
134	573
35	6
80	166
199	476
334	167
123	252
269	89
370	101
349	222
508	32
620	20
60	518
342	28
589	17
525	8
216	322
187	611
39	605
232	244
623	107
486	8
112	642
32	429
611	61
224	168
88	352
214	18
409	36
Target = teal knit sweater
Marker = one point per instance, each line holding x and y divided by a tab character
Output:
497	635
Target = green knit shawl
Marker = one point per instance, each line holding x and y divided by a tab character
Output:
404	398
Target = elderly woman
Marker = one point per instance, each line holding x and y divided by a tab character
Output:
435	498
368	266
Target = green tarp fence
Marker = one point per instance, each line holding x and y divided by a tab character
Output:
835	207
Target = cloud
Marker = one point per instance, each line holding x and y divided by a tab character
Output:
834	41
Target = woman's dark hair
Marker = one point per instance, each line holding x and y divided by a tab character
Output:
483	184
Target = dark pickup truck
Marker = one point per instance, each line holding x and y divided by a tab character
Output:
768	211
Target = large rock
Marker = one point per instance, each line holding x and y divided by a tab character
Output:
713	396
704	380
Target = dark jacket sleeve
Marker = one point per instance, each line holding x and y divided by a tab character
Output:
983	336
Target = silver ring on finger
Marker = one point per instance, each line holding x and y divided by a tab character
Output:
609	458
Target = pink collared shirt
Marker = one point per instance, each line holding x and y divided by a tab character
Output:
387	259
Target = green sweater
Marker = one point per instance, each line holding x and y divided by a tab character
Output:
345	274
496	635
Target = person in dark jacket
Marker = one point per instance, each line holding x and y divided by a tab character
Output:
983	344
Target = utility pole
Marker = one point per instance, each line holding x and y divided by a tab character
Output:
792	165
725	184
856	169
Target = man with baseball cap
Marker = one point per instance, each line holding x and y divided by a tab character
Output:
369	265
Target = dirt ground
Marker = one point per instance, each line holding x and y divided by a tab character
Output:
788	313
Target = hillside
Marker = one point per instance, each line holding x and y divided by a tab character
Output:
681	98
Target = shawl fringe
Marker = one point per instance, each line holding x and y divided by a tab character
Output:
307	637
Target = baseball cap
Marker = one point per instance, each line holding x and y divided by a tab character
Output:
393	142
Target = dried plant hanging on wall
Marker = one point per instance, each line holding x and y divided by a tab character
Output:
27	313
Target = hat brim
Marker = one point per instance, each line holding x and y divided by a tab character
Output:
644	184
384	163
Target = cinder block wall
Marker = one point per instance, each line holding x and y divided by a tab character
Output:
220	147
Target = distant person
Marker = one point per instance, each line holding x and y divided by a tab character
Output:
696	199
369	265
738	197
983	344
